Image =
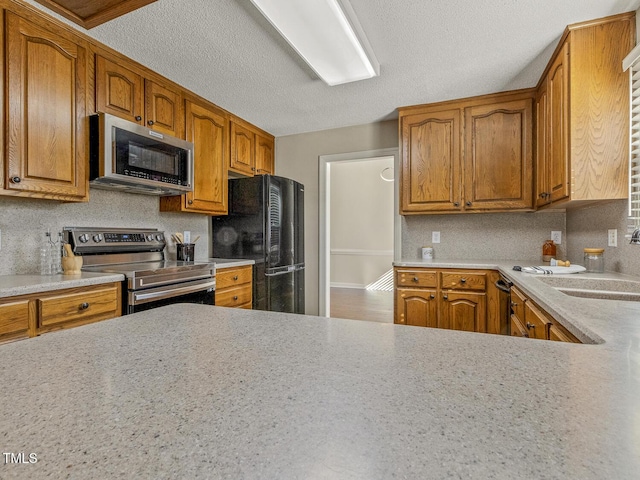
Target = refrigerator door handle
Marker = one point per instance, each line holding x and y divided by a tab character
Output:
279	272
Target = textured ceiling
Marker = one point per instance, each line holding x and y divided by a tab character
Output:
429	50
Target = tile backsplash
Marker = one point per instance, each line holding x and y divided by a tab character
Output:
484	236
23	223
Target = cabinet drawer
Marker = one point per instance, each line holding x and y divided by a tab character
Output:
464	281
416	278
14	318
96	304
234	297
232	277
517	328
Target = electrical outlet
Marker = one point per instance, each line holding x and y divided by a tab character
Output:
556	236
435	237
613	237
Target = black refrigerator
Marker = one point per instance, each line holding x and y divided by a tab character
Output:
266	224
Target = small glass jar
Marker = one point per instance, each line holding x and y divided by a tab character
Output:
594	260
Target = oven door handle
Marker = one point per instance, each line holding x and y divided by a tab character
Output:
144	297
503	286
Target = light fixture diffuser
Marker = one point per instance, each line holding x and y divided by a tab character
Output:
326	34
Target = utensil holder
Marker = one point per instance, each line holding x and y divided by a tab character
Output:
72	265
186	251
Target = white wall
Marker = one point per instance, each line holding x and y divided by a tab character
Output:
297	158
361	221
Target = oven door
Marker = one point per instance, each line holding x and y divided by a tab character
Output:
199	291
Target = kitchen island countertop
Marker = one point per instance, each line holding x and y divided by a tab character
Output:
195	391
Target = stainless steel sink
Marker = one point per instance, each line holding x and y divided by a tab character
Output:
599	288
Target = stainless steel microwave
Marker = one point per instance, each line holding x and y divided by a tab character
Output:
130	157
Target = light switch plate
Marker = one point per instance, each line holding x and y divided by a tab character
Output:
435	237
556	236
612	237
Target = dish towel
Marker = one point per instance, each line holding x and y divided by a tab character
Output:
547	270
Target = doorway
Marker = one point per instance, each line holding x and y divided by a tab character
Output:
361	178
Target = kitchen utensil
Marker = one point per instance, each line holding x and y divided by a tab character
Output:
196	239
71	264
179	236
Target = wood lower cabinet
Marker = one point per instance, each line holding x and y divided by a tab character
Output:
582	112
46	80
470	155
531	321
30	315
234	287
14	320
447	298
208	129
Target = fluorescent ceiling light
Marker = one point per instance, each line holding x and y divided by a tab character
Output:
326	34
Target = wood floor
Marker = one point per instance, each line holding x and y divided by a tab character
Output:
361	304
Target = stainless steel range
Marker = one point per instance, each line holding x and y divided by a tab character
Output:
150	279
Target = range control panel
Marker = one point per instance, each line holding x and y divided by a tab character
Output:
100	240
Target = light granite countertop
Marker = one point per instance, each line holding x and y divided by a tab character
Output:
12	285
231	262
195	391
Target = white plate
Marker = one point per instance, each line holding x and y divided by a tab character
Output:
546	269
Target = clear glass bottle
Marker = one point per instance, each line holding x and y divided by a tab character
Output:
594	260
56	255
46	251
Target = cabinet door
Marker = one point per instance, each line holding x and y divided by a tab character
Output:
46	109
14	320
417	307
431	169
119	91
536	322
209	132
264	155
542	194
498	159
463	311
242	149
164	109
558	126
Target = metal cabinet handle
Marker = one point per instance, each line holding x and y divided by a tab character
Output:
150	122
456	204
415	279
16	179
432	296
235	297
190	202
84	306
235	277
514	304
138	118
468	204
463	280
445	296
530	326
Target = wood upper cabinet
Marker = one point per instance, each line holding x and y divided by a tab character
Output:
124	92
583	126
119	91
46	72
470	155
208	129
431	161
499	156
264	155
243	149
552	140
